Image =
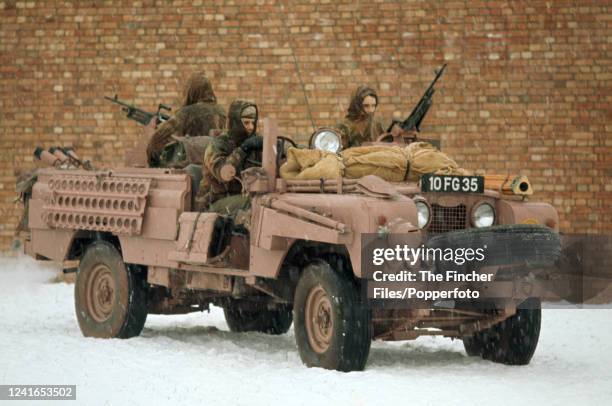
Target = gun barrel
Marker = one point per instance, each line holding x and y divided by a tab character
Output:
420	110
134	113
70	152
57	152
117	101
439	73
48	158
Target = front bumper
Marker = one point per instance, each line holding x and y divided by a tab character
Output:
520	246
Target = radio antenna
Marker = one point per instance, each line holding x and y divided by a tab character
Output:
297	68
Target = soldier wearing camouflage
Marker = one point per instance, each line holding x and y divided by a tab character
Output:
199	115
239	148
360	124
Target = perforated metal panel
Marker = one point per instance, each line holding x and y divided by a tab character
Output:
447	218
96	202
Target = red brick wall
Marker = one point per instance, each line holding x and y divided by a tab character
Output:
527	89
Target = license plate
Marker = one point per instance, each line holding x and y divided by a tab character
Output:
452	183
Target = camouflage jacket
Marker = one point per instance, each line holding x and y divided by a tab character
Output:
221	151
225	150
356	132
358	126
190	121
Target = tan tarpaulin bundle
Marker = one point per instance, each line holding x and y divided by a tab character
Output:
425	158
311	164
388	162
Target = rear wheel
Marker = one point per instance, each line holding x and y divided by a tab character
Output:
473	346
270	321
110	297
332	326
511	342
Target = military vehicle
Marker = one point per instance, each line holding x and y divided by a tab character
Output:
137	247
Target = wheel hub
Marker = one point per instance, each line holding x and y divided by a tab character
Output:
100	293
319	320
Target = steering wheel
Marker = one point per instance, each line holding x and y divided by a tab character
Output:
386	137
280	150
287	139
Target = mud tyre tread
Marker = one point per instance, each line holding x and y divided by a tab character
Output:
473	346
352	331
511	342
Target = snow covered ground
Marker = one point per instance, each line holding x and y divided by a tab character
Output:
194	359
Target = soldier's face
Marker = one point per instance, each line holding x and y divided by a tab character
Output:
249	125
369	104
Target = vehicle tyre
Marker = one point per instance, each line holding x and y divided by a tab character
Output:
110	297
270	321
473	346
514	340
332	325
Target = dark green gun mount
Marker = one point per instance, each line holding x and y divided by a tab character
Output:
139	115
413	122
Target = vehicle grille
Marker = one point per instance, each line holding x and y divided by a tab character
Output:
445	219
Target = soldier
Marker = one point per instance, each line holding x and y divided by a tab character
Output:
360	124
199	115
226	156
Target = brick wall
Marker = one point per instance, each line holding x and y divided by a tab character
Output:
527	89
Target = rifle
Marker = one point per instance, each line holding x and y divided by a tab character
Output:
63	158
413	122
75	160
141	116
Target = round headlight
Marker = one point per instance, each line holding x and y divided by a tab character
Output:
423	213
326	139
483	215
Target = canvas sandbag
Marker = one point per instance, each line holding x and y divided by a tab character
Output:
386	162
311	164
426	158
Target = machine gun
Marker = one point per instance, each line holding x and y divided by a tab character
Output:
413	122
62	158
139	115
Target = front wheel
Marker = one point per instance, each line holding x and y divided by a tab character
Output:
511	342
110	297
332	325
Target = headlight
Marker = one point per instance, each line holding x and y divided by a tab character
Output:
483	215
326	139
423	213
